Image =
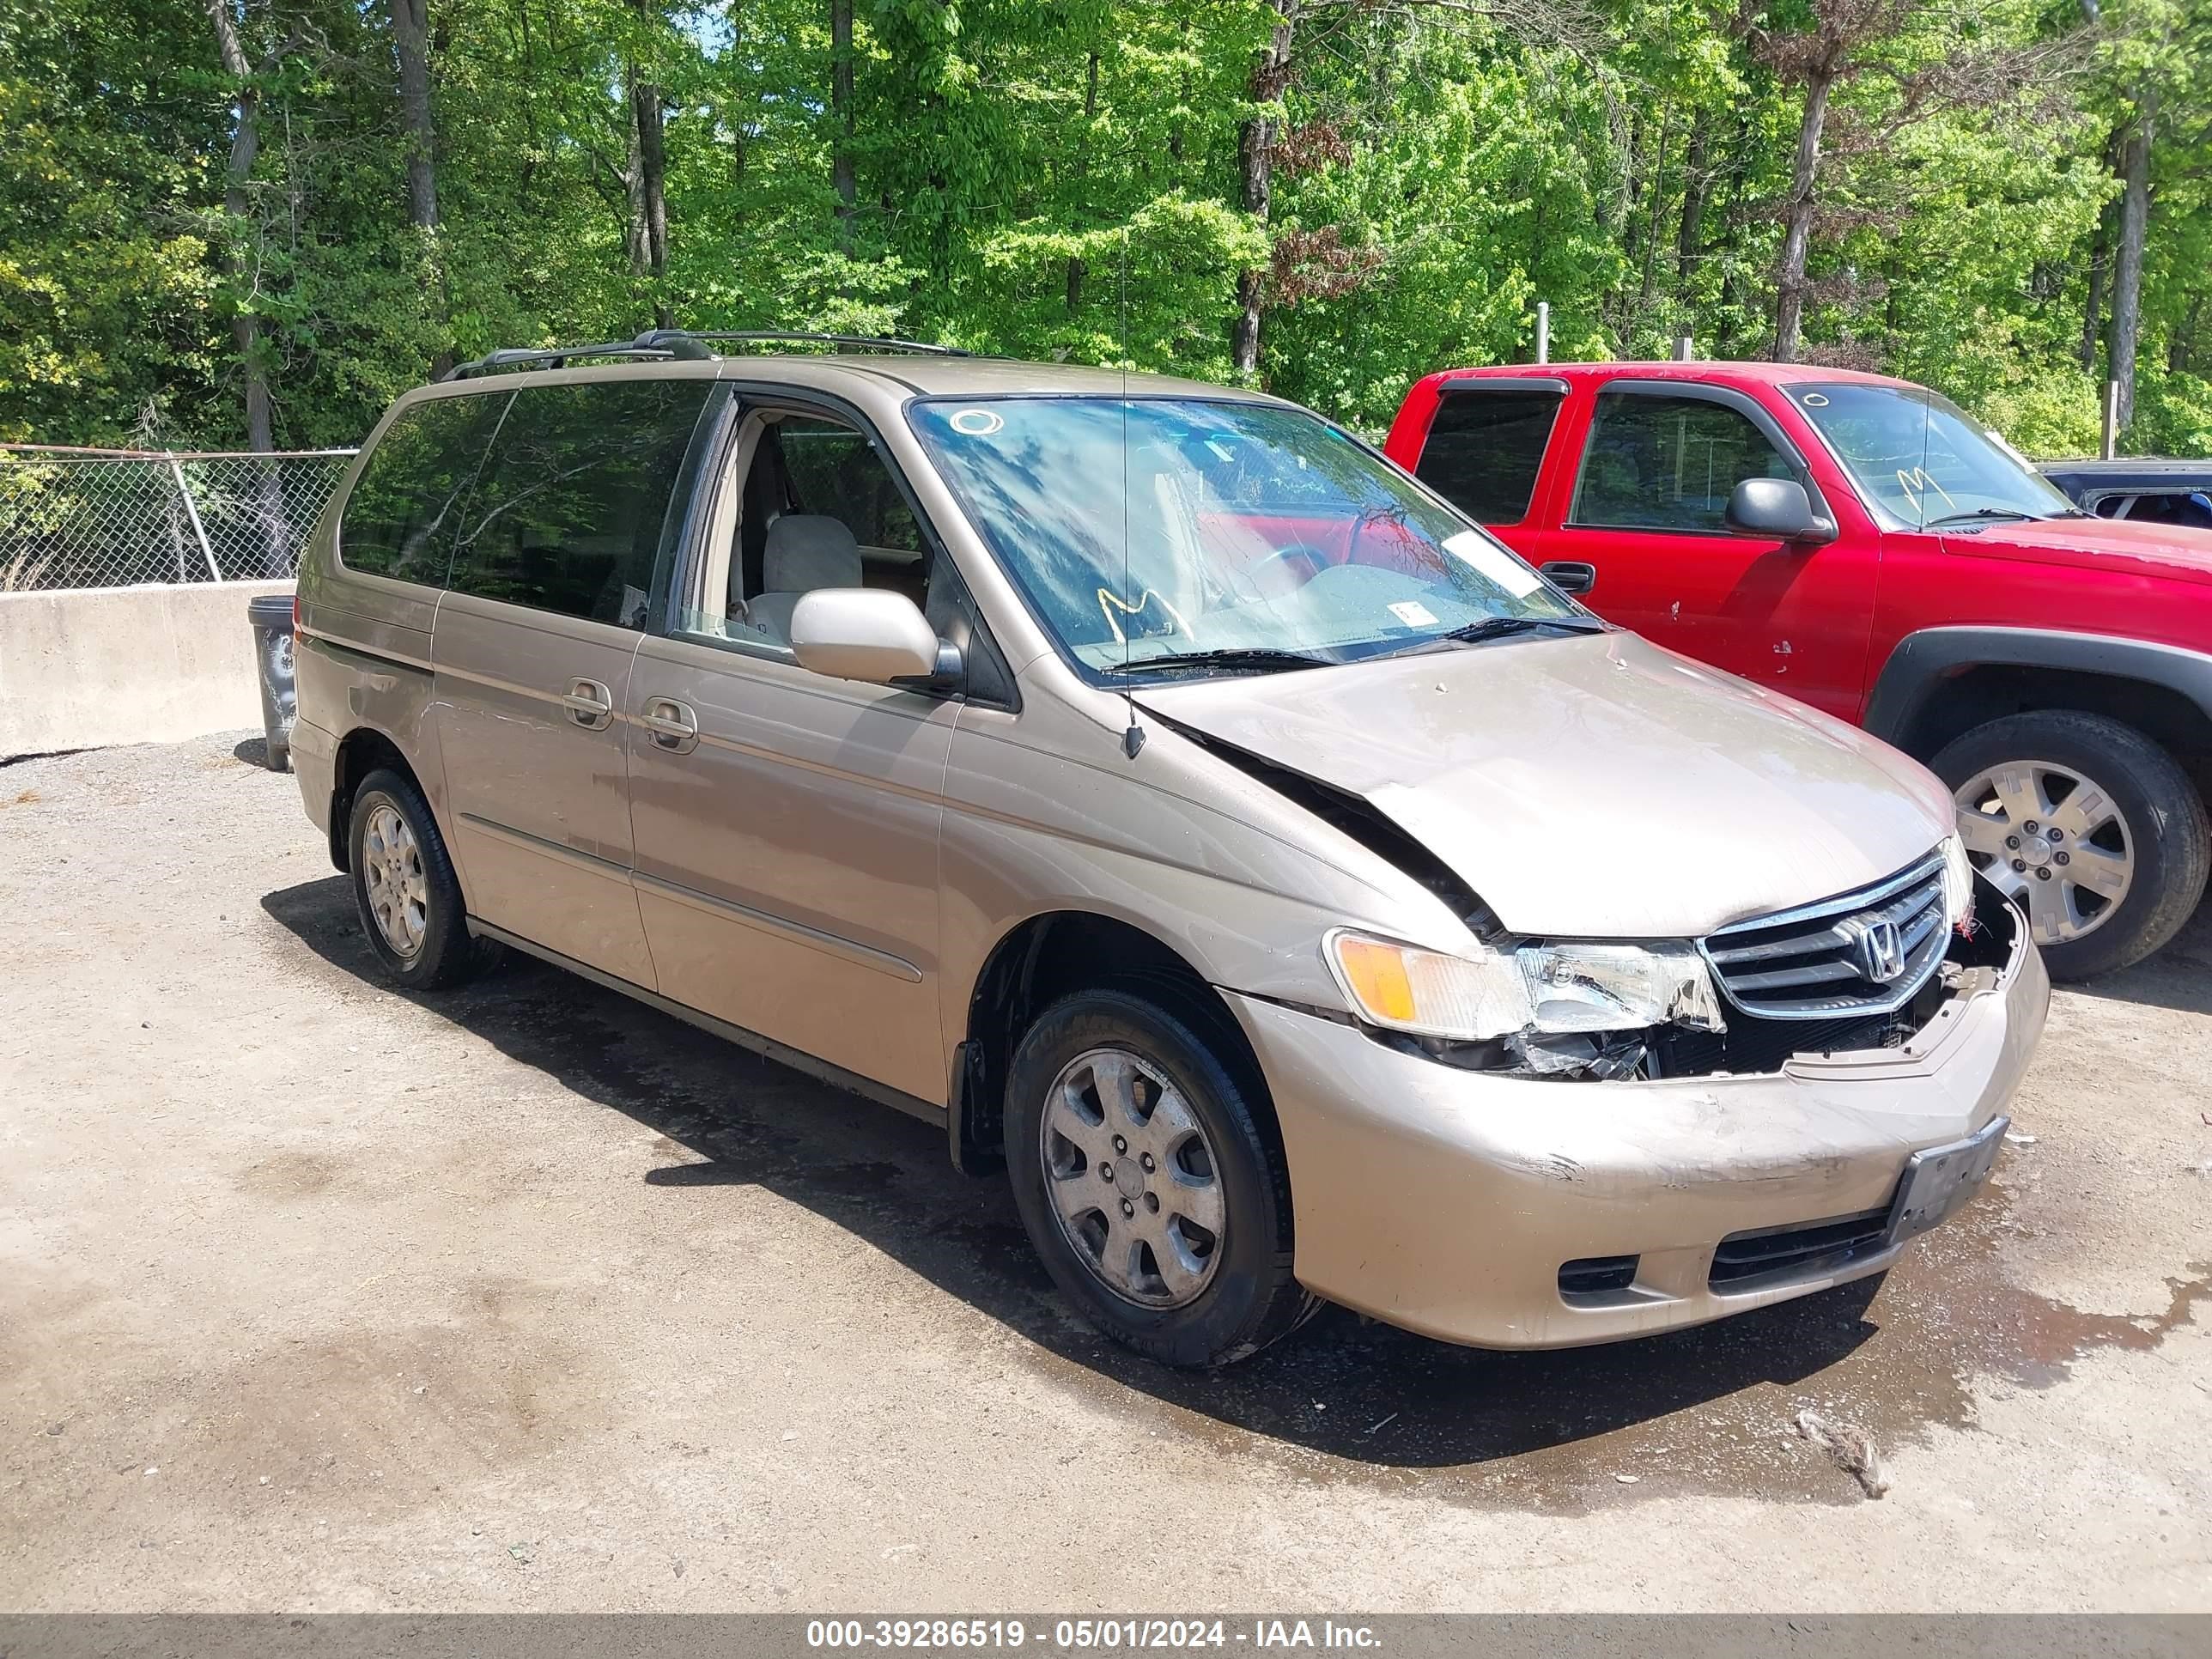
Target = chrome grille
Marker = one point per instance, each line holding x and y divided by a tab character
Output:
1863	952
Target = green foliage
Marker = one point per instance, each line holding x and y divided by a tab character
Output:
1064	180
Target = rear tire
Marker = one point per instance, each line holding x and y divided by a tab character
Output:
2149	811
1102	1082
411	911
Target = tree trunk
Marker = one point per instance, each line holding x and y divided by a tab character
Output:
648	200
1628	224
1728	238
652	175
2092	309
238	209
1697	186
2127	275
1619	217
841	115
1797	236
1255	145
411	38
1658	185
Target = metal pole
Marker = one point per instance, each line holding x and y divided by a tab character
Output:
1682	349
1543	331
2111	446
177	472
177	545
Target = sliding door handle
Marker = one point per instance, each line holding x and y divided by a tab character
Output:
589	704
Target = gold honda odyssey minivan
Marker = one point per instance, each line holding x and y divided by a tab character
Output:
1295	894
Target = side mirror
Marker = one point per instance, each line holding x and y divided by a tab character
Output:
1776	509
870	635
1569	575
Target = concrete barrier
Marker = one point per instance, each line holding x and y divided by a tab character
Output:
95	665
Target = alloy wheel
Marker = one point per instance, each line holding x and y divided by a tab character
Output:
2051	839
1131	1179
398	890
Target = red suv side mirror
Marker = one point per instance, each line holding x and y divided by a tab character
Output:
1777	508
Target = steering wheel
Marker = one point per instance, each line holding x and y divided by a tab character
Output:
1305	550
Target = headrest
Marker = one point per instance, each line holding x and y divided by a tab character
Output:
807	550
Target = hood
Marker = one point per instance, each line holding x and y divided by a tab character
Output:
1594	787
2171	551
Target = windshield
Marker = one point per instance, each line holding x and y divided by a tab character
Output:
1924	461
1145	529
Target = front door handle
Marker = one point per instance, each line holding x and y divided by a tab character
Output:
674	726
589	704
1569	575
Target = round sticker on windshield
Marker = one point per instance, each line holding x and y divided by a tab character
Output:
1813	400
976	422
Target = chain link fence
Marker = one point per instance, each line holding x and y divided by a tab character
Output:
75	518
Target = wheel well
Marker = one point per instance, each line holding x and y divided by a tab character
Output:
1975	696
361	752
1045	958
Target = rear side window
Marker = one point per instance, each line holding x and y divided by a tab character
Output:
568	516
1483	449
1660	462
2192	508
403	513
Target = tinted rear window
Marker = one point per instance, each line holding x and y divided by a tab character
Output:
568	517
1483	449
405	510
2192	509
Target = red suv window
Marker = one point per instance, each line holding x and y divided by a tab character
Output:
1483	449
1663	463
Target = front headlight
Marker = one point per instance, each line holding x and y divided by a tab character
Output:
1614	987
1562	986
1957	883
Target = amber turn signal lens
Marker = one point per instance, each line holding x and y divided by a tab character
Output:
1376	975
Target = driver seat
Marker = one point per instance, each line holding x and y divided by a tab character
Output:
804	551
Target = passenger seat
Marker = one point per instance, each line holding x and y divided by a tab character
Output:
804	551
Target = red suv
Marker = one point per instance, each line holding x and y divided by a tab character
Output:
1868	547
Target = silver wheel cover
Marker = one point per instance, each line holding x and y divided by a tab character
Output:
1131	1179
2053	841
392	876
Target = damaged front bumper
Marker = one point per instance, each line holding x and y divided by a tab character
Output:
1515	1212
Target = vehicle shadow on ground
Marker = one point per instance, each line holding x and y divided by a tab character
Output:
1346	1387
2178	977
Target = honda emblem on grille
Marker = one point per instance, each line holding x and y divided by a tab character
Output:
1877	949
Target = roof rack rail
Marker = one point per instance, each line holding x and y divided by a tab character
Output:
676	337
509	358
663	343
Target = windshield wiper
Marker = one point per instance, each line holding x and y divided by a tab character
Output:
1984	513
1498	628
1262	658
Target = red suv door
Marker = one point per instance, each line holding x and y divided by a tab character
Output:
1647	507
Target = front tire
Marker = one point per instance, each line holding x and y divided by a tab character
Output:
2089	826
404	885
1146	1183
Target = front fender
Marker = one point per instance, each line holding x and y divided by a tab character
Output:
1044	813
1921	663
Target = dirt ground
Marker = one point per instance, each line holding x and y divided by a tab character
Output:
316	1297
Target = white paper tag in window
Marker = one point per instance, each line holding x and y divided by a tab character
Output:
1495	562
1413	614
